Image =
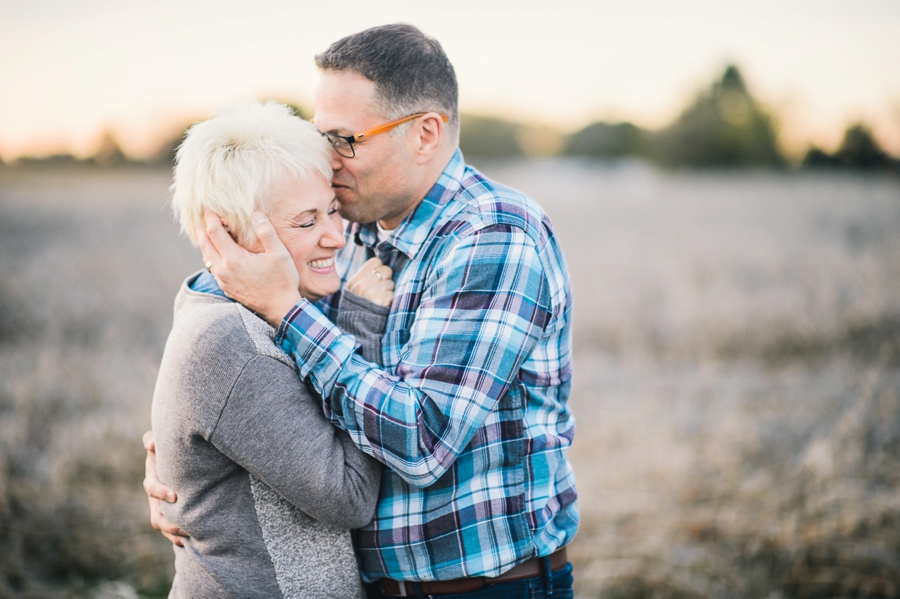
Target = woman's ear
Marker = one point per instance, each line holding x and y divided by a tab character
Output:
226	226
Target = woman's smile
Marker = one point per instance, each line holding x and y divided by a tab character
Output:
322	265
305	216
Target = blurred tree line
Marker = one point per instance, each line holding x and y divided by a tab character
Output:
858	150
723	127
109	153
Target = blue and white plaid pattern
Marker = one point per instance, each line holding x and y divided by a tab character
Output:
470	410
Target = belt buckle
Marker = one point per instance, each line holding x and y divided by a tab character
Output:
401	586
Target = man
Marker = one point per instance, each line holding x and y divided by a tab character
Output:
469	412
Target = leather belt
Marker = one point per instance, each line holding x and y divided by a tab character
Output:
527	569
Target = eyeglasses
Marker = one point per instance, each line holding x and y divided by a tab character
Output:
344	144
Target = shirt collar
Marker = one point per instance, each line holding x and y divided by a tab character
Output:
204	282
415	228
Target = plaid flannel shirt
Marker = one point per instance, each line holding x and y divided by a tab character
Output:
469	412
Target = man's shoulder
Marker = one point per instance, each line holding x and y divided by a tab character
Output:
483	203
486	203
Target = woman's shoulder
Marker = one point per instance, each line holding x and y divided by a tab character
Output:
218	326
207	325
205	354
262	335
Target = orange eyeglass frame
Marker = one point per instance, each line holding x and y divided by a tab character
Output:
391	125
351	140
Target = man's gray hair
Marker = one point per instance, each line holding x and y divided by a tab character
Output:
230	162
410	70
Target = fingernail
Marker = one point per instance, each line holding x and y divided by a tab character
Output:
258	218
170	497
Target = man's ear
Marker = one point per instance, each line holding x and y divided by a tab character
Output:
430	135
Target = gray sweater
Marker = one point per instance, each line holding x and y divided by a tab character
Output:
267	488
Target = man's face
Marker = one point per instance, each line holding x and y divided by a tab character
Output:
380	182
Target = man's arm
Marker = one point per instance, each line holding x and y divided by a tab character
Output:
482	312
156	492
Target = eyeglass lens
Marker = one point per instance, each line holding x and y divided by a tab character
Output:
340	144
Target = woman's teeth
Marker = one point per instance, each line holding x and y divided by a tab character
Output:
321	264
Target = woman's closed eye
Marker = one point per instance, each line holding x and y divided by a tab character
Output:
334	207
306	219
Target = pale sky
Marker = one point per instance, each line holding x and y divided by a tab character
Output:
70	69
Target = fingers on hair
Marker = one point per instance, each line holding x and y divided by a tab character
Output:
229	162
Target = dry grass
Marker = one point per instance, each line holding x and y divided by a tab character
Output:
89	263
737	379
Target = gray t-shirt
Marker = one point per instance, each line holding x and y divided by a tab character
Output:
267	488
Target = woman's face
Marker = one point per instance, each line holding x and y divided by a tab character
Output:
305	217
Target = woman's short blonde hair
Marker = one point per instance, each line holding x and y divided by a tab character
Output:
229	163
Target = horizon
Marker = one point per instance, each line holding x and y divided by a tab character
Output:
81	71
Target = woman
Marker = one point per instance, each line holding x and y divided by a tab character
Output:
265	517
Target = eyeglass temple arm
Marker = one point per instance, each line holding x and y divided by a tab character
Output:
392	124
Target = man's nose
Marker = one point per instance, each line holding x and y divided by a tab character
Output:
337	161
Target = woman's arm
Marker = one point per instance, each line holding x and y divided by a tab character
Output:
365	320
274	428
358	315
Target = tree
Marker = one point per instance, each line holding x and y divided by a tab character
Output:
489	137
109	153
858	150
724	126
608	140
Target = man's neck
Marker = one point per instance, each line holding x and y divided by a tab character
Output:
435	168
382	230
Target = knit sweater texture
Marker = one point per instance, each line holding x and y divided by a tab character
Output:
268	489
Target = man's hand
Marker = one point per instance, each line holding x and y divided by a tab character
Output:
373	282
158	491
266	283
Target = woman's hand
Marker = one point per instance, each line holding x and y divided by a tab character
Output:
373	281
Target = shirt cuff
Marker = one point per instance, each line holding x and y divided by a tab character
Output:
316	345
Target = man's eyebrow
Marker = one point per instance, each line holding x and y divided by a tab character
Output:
335	130
332	130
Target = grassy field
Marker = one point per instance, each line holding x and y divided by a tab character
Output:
737	385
